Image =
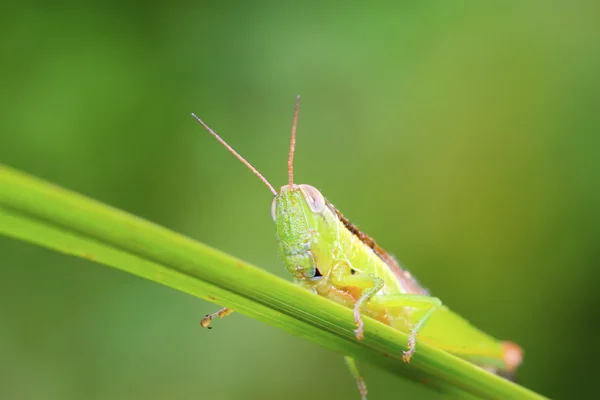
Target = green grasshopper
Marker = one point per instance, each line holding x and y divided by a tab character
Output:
328	255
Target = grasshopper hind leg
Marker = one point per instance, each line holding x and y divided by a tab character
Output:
360	383
223	312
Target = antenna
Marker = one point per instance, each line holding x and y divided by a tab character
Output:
293	144
235	153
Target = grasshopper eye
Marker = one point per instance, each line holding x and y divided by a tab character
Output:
314	198
274	209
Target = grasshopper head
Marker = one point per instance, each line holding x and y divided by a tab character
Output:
296	210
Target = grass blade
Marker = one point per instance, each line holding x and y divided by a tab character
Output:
46	215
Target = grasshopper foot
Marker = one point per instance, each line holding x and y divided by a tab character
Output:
360	382
360	325
358	332
412	344
223	312
205	323
362	388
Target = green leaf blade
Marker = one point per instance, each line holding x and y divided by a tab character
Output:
46	215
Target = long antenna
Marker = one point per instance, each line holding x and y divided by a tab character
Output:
293	144
235	153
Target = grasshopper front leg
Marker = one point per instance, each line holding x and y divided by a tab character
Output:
360	383
223	312
342	277
371	285
401	300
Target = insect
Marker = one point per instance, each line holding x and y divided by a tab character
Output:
328	255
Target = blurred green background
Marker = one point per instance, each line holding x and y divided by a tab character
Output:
464	137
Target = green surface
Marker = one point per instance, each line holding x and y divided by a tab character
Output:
43	214
462	137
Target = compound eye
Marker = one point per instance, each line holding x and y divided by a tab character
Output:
274	209
314	198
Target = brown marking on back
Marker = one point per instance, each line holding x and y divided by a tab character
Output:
406	279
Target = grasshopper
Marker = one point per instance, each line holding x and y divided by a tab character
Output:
328	255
